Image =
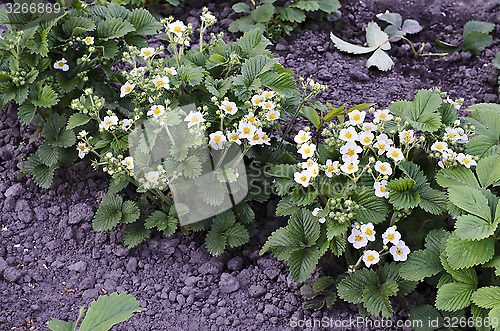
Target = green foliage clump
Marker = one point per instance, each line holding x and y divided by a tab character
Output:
475	38
276	19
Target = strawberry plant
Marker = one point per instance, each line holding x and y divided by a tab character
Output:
368	193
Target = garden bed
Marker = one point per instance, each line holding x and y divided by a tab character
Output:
53	262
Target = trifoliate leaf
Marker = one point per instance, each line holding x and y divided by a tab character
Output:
376	298
292	14
352	287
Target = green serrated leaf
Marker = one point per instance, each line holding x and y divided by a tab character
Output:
110	310
77	119
466	253
302	263
454	296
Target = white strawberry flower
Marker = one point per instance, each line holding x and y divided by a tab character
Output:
162	82
357	239
246	129
382	115
368	231
234	137
309	163
272	115
356	117
391	235
265	138
366	138
82	149
61	65
126	124
257	100
108	122
171	71
350	149
268	94
250	117
307	150
314	169
302	137
383	168
217	140
256	138
302	177
147	52
407	136
229	107
369	127
395	154
348	134
383	143
400	251
452	134
194	118
126	89
439	146
381	190
177	27
128	162
156	111
88	41
371	257
332	168
268	105
152	176
350	166
466	160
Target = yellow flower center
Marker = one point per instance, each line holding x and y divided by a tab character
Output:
194	120
217	138
367	140
255	137
370	258
351	166
251	119
381	147
330	169
399	251
229	108
383	168
348	135
160	83
383	116
439	146
61	64
246	130
451	135
382	189
234	137
272	116
147	53
157	111
358	238
128	89
257	101
395	154
108	123
303	137
264	137
356	117
466	161
303	178
350	152
307	150
390	236
369	232
177	29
